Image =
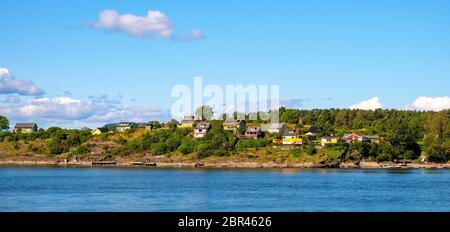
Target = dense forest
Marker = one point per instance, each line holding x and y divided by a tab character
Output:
408	135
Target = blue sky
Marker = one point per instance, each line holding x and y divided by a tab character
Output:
326	53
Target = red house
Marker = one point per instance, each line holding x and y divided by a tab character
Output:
253	133
353	137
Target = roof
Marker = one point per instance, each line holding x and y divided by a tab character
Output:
291	132
253	129
143	125
276	125
313	129
232	121
352	134
191	118
372	136
102	129
203	125
329	137
120	124
311	134
25	125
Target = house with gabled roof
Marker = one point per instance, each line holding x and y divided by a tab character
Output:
25	127
348	138
273	127
374	138
329	140
361	138
252	133
233	125
124	126
100	130
292	136
201	129
189	121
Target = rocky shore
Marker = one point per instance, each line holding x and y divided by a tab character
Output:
214	164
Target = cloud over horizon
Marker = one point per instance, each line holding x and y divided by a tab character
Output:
70	111
371	104
153	25
430	104
10	85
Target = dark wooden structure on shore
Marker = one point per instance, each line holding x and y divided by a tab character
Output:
145	164
104	163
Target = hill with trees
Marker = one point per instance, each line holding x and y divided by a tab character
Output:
408	135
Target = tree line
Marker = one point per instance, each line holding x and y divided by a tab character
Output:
408	135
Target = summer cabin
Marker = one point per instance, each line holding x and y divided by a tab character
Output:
253	133
361	138
373	138
100	131
124	126
233	125
348	138
189	121
329	140
26	128
312	129
142	125
292	136
273	127
201	129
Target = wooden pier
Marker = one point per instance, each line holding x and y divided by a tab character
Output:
144	164
104	163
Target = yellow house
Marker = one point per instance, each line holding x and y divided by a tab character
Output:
277	141
99	131
292	136
26	128
188	122
329	140
186	125
233	125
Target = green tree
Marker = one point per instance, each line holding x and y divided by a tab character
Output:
204	112
436	146
436	127
4	123
438	153
290	116
172	124
403	135
187	146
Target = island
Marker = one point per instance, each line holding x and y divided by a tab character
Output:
320	138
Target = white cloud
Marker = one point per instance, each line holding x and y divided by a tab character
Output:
12	100
371	104
194	35
153	25
430	104
74	112
127	113
9	85
61	107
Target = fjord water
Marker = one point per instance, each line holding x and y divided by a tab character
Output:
103	189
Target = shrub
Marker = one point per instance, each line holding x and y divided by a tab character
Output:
388	153
221	152
310	150
243	144
203	150
187	146
159	148
411	155
121	141
80	150
438	154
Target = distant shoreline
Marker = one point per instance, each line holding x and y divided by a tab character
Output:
231	165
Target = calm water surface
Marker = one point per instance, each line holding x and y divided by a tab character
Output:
85	189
